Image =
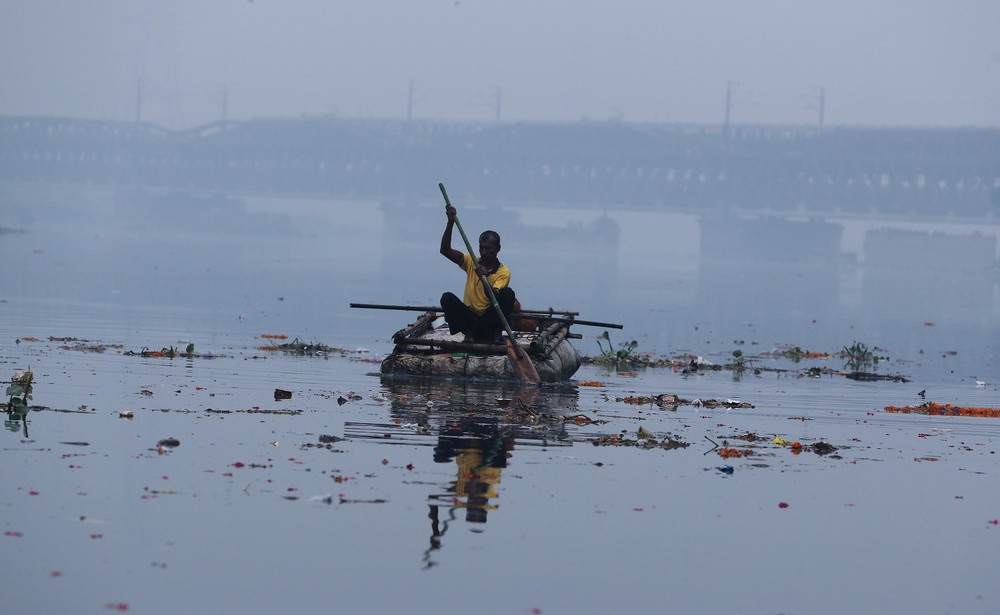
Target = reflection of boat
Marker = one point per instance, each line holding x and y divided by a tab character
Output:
425	350
415	400
462	412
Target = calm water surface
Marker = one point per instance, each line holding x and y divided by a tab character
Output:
437	499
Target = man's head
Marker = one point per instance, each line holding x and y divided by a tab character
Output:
489	247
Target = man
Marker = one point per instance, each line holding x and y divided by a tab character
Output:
475	315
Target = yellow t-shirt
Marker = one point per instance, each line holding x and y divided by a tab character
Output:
475	295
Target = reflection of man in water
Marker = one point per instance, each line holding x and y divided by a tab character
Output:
477	483
480	452
475	315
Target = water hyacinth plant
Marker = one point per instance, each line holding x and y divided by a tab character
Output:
858	356
18	394
610	356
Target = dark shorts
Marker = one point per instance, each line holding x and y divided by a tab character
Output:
485	327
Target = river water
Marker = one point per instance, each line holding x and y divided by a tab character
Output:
429	497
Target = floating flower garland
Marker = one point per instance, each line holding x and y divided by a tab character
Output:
946	410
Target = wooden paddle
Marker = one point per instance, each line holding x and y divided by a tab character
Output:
523	367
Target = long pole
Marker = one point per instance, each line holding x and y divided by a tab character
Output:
527	314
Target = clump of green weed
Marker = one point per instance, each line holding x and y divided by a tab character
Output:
858	356
18	395
739	361
610	356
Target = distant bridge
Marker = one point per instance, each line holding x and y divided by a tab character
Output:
927	173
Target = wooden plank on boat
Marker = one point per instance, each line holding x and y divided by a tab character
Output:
474	347
422	324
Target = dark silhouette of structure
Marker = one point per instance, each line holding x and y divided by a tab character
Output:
819	171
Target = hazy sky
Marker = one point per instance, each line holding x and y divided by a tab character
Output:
892	62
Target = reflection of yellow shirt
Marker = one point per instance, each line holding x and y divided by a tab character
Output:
483	480
475	295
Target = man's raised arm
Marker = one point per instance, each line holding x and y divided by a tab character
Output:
446	250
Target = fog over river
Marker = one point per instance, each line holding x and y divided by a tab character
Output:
362	494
